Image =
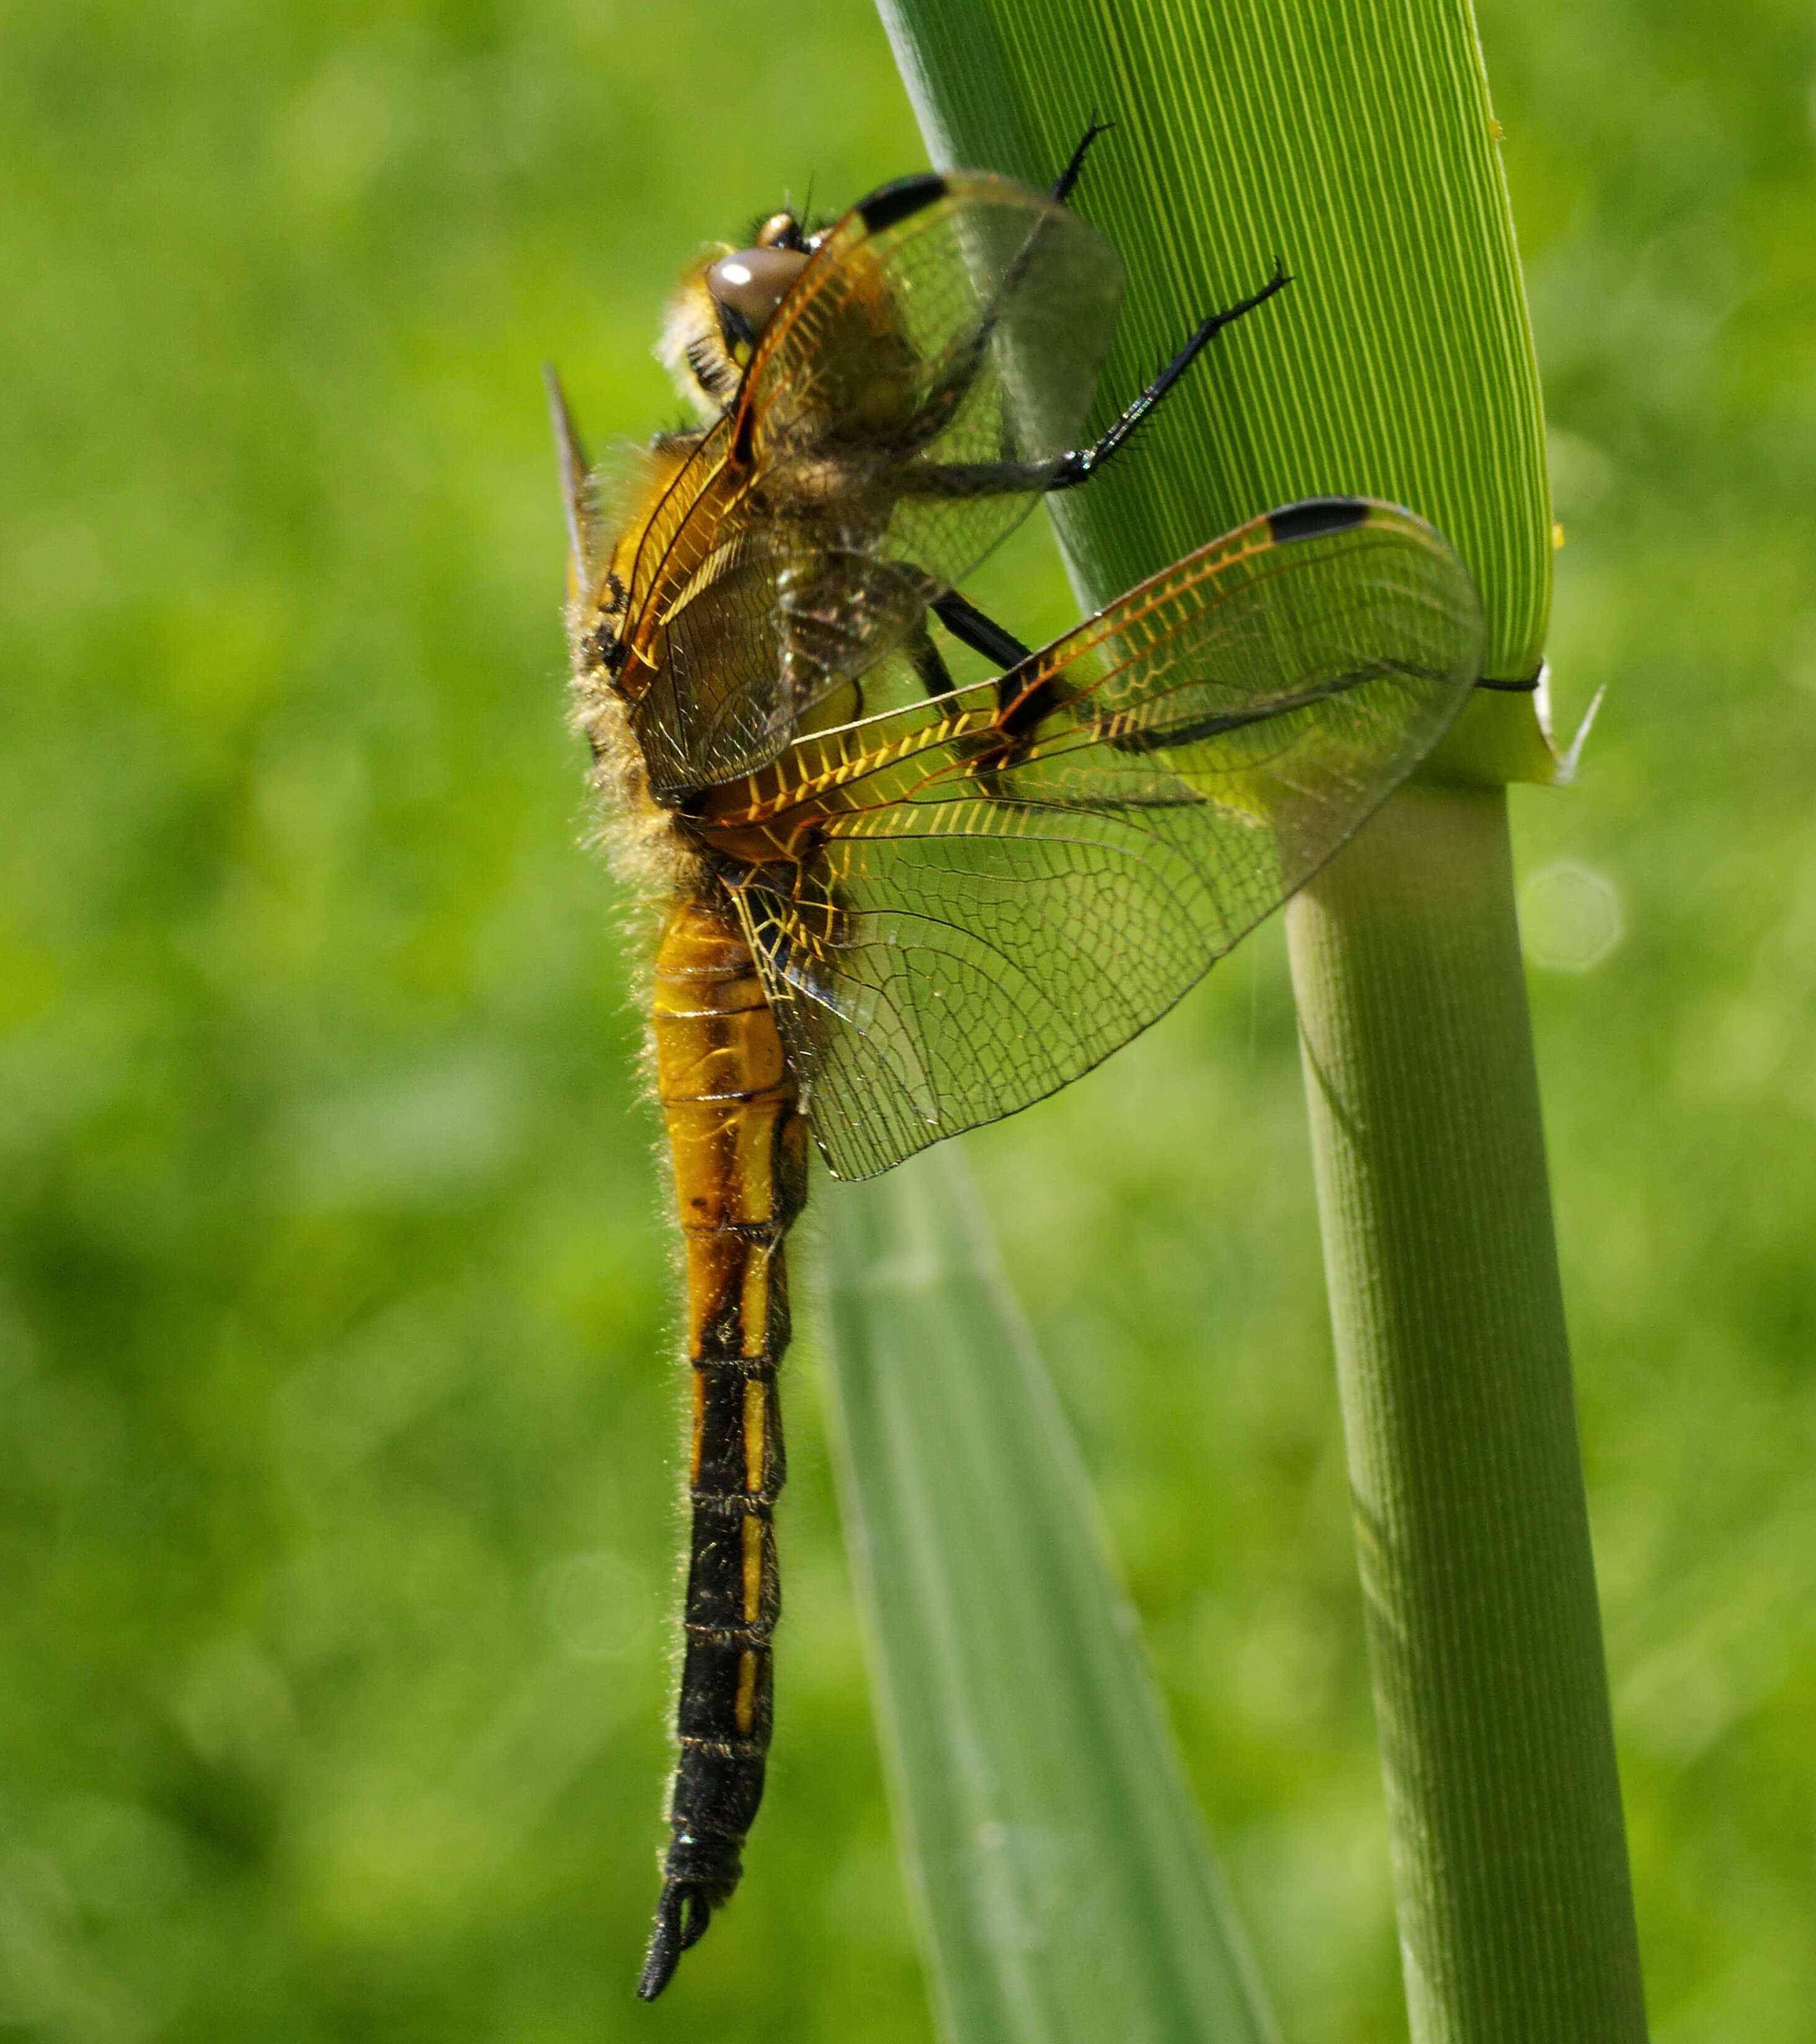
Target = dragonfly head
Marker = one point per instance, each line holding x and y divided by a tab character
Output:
718	315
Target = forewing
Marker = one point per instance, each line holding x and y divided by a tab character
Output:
1001	894
956	321
904	408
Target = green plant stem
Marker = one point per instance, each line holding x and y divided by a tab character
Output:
1516	1916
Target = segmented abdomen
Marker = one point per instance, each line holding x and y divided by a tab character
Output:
740	1151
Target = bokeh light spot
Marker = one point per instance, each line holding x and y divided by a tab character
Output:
1570	917
597	1607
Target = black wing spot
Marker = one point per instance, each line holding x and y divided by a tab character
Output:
1312	521
898	201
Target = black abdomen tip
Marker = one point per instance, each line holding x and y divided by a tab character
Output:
701	1868
681	1919
1315	517
896	201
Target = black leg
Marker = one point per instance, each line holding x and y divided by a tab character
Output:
958	379
935	676
1069	176
970	628
1004	478
1083	463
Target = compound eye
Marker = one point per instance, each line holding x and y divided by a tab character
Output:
748	287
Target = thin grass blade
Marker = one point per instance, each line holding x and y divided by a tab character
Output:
1065	1888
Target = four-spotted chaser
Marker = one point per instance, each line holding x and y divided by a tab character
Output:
896	907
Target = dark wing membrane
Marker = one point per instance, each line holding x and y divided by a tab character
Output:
758	607
999	895
904	408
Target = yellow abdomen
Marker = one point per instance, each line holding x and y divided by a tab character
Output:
740	1151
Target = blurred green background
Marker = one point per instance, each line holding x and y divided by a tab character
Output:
338	1492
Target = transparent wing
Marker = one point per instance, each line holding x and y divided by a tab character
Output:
990	895
903	410
935	359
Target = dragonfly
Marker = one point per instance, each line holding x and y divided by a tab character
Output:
894	907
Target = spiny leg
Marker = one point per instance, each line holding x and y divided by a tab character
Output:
983	635
958	480
968	624
1081	463
961	375
1069	176
930	669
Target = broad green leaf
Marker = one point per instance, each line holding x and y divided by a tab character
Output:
1352	140
1067	1893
